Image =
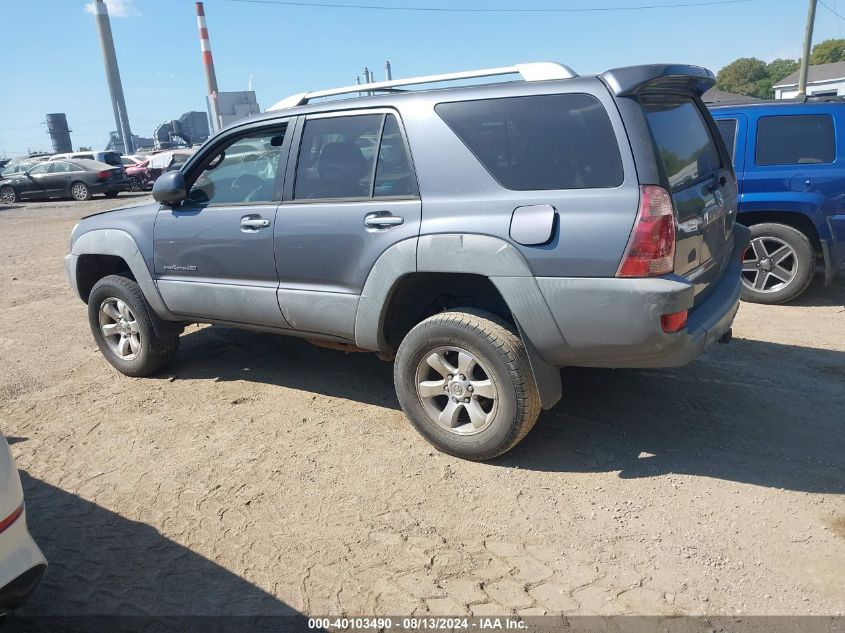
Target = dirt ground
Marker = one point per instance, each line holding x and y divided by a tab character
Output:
260	475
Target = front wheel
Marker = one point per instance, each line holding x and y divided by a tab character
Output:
79	191
8	195
135	184
122	325
778	264
464	381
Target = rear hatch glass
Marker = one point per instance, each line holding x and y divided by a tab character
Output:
703	188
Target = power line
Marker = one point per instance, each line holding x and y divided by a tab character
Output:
826	6
381	7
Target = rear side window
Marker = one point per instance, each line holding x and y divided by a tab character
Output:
358	156
683	139
563	141
727	128
795	139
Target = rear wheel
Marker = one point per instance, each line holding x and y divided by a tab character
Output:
464	381
8	195
122	325
79	191
778	264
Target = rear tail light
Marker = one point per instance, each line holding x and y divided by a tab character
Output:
103	175
651	247
674	322
5	523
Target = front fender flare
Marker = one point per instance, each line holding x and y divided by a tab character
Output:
119	244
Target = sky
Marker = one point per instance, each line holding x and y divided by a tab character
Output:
52	60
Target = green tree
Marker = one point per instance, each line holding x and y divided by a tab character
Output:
741	76
780	68
827	52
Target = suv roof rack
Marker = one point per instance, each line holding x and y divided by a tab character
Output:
535	71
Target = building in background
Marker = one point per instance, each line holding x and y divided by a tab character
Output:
823	80
233	106
139	143
189	129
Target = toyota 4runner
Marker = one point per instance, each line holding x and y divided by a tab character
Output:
484	235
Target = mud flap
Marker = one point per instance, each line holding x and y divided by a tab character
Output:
546	376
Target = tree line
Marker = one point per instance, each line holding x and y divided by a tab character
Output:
755	78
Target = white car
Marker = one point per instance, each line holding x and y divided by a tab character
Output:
21	562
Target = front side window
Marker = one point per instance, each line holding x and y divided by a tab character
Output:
41	168
244	171
727	128
563	141
682	137
795	140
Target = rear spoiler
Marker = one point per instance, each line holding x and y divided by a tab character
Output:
632	80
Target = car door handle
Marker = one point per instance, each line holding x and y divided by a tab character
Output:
254	222
382	220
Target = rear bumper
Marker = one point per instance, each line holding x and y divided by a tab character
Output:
616	322
21	565
110	186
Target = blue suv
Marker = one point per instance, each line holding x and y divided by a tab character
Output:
789	159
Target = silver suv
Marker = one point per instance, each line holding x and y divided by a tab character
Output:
482	236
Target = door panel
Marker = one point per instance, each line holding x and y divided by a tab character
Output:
214	253
326	244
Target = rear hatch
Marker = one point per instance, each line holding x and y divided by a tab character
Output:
700	180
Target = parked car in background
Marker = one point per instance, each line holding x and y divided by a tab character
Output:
484	235
78	179
16	168
789	158
108	157
139	176
21	562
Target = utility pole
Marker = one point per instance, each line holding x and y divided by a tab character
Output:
805	58
121	119
388	75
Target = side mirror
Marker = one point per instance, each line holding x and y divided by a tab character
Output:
170	188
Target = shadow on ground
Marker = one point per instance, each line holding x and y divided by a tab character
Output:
819	295
753	412
101	563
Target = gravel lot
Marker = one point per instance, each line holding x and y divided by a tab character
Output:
260	474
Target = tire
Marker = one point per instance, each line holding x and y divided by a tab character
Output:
79	191
134	184
145	352
500	369
778	265
8	195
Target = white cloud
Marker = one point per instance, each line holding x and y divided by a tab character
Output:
117	8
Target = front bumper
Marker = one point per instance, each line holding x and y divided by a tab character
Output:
21	564
616	322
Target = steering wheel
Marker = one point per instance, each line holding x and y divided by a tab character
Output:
248	184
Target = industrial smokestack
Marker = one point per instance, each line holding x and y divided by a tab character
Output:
387	73
208	63
59	133
121	119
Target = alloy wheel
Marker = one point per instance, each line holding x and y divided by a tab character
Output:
456	390
769	264
120	329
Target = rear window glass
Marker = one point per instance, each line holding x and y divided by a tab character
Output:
727	128
683	139
795	139
537	142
